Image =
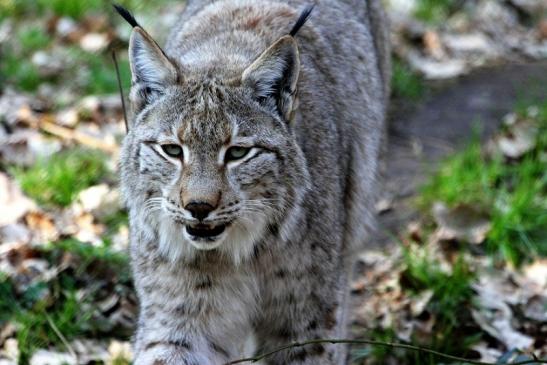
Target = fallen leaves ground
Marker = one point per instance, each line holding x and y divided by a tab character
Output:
65	289
448	286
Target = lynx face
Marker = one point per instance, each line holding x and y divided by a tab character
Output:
214	161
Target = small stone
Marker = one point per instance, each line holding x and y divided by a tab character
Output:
68	117
94	42
66	26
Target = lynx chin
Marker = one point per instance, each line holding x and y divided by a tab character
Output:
248	172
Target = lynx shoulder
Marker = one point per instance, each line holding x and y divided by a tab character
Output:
248	172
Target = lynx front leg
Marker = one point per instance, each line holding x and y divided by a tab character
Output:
176	341
193	317
174	352
305	311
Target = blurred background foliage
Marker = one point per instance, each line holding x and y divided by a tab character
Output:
65	283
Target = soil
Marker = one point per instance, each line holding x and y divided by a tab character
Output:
420	134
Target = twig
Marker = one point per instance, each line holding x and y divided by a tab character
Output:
378	343
65	133
120	87
61	337
79	137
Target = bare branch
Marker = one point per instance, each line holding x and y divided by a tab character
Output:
379	343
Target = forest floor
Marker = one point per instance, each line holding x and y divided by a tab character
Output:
458	263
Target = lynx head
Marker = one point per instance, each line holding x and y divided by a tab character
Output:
211	162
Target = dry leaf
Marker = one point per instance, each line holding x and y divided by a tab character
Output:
42	226
520	139
13	204
419	302
11	350
119	351
463	222
6	331
100	200
536	308
383	205
433	45
495	316
47	357
487	353
537	273
90	351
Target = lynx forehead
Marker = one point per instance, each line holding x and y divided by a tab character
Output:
248	172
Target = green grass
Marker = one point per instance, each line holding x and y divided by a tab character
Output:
15	59
450	290
94	73
113	224
33	38
20	72
89	255
37	326
449	304
448	308
58	304
76	9
56	181
102	75
434	11
405	83
7	298
513	192
378	353
73	9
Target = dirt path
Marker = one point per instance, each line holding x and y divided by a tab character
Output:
421	134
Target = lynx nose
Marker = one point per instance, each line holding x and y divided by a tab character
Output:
199	210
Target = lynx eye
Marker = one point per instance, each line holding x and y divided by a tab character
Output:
172	150
236	153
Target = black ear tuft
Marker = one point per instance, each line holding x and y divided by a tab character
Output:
126	15
302	19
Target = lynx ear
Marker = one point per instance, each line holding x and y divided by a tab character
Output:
151	70
273	76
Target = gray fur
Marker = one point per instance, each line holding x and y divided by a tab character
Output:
297	205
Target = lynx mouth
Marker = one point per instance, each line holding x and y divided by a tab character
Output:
205	231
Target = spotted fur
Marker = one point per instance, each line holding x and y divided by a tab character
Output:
310	111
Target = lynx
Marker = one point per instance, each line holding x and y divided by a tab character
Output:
248	172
